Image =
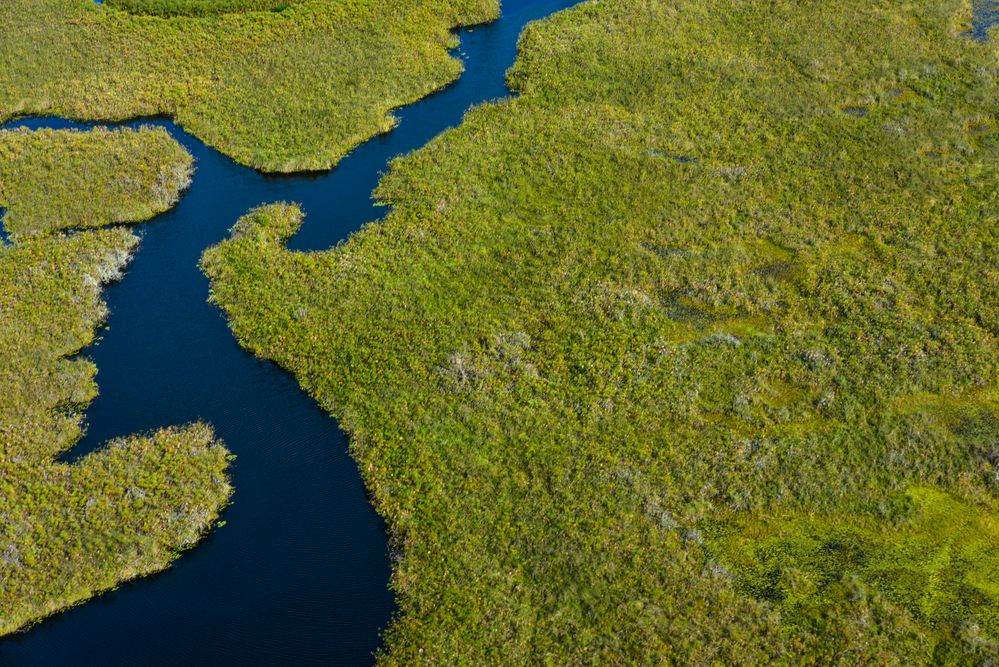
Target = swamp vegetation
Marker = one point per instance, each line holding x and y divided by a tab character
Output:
290	88
199	7
685	355
68	531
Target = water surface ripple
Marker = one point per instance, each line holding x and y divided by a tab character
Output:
299	575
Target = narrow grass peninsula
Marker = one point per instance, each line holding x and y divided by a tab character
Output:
68	532
686	355
280	86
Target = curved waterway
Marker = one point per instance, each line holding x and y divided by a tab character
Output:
299	574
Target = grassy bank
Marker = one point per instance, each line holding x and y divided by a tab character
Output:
57	180
285	90
687	355
70	531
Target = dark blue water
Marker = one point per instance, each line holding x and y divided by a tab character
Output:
299	575
985	17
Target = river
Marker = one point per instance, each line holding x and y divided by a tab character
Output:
299	574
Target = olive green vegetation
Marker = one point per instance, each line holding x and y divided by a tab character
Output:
941	562
285	90
70	531
687	354
52	180
198	7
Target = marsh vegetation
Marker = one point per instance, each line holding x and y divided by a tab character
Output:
54	180
687	353
68	531
287	90
169	8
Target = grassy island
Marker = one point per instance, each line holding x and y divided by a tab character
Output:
70	531
280	86
686	355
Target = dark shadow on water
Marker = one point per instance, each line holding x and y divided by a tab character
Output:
299	574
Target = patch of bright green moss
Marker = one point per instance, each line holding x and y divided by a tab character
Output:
936	556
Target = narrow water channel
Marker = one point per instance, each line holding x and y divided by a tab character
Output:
299	574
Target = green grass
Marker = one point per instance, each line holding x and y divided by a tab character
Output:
52	179
286	90
198	7
716	292
70	531
937	559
